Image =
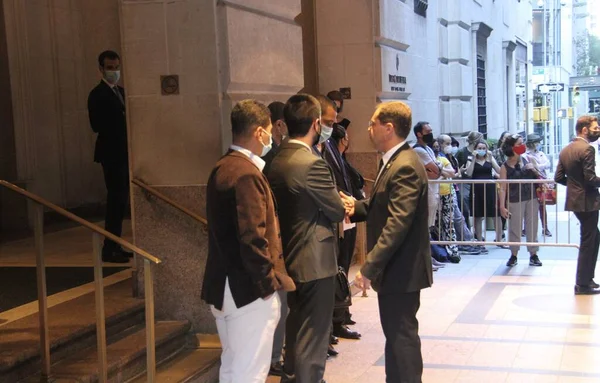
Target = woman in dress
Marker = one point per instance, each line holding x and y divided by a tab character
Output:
481	165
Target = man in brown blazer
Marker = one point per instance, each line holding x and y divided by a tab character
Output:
577	170
245	265
399	261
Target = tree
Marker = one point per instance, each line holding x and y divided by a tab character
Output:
594	51
582	54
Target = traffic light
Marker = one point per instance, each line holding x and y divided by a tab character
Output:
575	95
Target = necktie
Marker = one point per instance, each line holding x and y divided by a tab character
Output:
118	93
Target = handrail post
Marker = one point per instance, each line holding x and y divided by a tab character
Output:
100	315
150	336
38	229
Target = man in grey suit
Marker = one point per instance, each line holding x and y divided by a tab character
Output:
399	261
309	210
577	170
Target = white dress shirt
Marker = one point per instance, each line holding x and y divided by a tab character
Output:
259	162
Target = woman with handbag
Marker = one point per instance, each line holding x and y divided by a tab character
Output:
523	204
542	163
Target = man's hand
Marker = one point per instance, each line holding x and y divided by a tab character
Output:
362	282
348	202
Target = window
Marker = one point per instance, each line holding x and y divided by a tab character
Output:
421	7
481	97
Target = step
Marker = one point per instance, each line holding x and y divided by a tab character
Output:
72	327
189	366
126	357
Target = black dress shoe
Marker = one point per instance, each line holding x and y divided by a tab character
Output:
126	253
349	322
586	290
342	331
332	351
333	339
594	284
113	257
276	369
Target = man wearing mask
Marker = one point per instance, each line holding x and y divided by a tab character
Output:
244	268
309	211
576	170
465	189
347	232
422	148
338	98
279	131
106	109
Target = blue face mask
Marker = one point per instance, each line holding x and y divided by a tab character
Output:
538	146
454	150
481	152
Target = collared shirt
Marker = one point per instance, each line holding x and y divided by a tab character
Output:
259	162
388	155
292	141
109	84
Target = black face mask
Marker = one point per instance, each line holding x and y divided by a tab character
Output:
428	138
593	136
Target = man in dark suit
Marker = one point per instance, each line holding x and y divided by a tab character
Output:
245	267
347	238
577	170
399	262
106	108
309	210
279	131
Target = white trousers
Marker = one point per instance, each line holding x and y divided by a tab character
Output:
246	335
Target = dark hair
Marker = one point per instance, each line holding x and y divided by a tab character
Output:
326	103
300	112
336	95
276	109
509	142
419	127
584	122
454	142
338	133
111	55
398	114
502	135
246	115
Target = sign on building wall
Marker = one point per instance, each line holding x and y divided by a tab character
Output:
395	67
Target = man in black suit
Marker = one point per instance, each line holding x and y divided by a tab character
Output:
106	108
577	170
399	261
309	210
279	131
347	238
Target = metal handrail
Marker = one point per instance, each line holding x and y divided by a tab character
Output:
168	200
80	221
37	205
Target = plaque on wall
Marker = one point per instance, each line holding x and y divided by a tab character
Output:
169	85
346	93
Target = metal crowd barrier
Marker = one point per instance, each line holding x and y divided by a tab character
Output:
542	239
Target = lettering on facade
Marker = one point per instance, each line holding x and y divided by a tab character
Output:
399	80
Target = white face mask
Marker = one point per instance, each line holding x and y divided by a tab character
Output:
325	133
448	149
266	148
112	76
453	150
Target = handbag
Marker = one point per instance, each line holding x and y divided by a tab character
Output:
546	193
343	297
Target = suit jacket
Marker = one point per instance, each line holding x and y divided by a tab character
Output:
399	259
309	209
244	242
337	165
577	170
107	118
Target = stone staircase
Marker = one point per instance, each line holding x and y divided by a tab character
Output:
72	332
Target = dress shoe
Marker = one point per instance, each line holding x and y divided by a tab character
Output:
547	233
437	263
434	268
594	284
332	351
113	256
586	290
276	369
333	339
342	331
349	322
126	253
